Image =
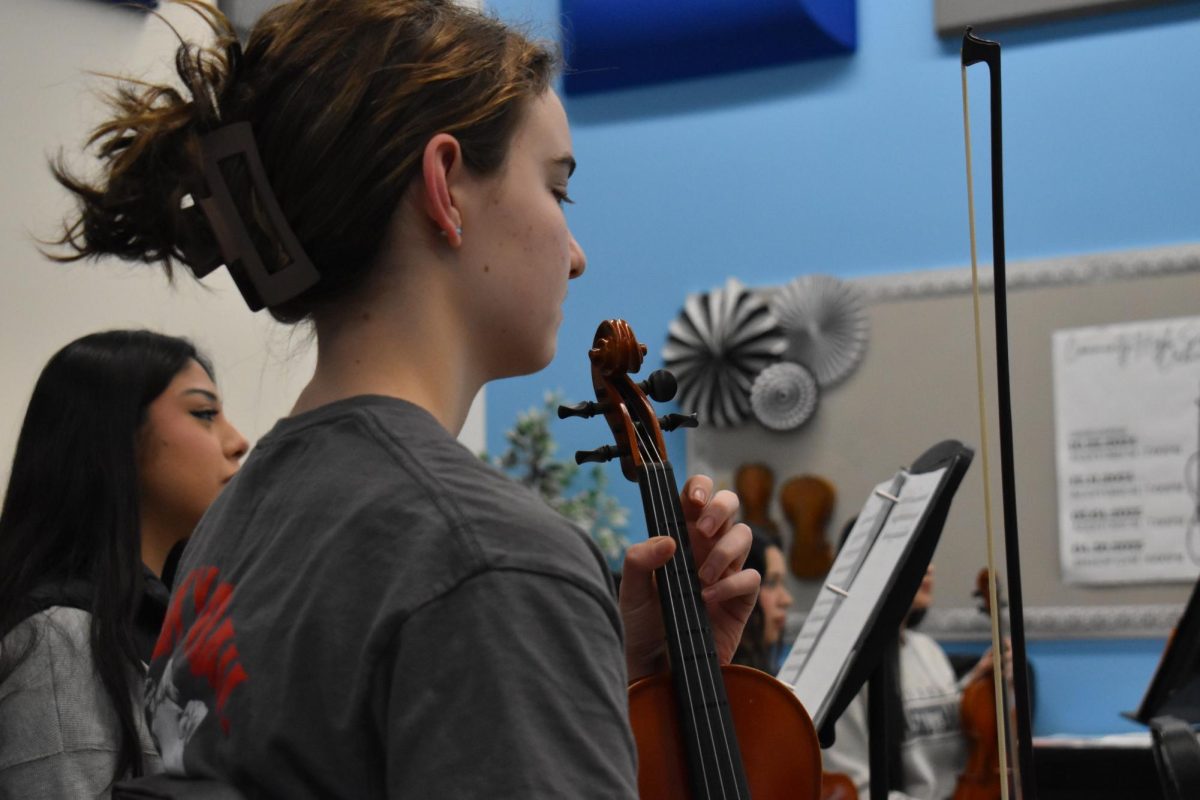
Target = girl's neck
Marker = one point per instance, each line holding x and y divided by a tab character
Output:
157	540
412	351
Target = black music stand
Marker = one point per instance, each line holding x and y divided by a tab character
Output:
1175	688
1171	706
870	666
867	662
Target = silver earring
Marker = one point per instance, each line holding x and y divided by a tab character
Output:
457	230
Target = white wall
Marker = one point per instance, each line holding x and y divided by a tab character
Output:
47	49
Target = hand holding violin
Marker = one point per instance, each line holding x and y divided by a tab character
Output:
702	724
719	545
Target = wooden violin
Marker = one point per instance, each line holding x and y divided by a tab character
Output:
808	502
980	779
754	485
703	731
838	786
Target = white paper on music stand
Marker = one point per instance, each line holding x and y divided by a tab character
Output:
836	625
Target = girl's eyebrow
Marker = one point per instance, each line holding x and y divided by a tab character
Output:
567	161
205	392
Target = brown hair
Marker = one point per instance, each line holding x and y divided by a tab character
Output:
342	96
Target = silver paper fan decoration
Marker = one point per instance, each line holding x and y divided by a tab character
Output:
784	396
717	346
826	325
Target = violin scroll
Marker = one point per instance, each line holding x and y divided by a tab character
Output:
615	350
625	404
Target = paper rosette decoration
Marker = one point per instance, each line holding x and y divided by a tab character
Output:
717	346
826	325
784	396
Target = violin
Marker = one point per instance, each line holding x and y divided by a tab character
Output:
980	779
703	731
754	484
838	786
808	502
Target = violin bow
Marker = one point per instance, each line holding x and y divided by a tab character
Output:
974	51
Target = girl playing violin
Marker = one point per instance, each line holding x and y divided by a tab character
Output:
369	610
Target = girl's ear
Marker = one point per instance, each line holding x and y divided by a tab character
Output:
442	157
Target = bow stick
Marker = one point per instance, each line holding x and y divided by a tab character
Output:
974	51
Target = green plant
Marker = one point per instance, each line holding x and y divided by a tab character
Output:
580	496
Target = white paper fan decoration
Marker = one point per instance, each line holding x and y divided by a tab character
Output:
826	325
716	347
784	396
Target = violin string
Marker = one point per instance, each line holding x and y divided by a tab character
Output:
678	525
697	610
660	522
997	674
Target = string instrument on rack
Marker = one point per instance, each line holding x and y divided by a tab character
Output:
1014	738
754	485
703	731
808	502
980	779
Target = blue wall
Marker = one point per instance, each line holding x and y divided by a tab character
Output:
854	166
1082	686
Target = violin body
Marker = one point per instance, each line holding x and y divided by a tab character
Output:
754	484
980	778
808	502
838	786
779	747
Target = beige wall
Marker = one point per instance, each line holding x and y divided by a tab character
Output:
917	386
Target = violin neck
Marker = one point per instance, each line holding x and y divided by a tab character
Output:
714	760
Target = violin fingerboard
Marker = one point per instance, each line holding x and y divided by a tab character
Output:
714	759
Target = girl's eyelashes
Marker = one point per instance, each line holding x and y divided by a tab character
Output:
562	197
206	414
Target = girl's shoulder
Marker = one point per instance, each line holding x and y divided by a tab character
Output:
60	733
59	635
53	695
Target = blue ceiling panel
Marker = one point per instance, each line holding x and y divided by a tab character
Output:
613	44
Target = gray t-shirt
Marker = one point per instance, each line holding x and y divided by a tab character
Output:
369	610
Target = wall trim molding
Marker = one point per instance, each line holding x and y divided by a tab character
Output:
1067	271
1151	621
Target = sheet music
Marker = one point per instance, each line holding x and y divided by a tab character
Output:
841	575
854	589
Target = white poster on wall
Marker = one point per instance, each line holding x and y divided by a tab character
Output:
1127	432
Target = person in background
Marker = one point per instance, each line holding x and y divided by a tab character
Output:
928	749
123	447
762	644
369	610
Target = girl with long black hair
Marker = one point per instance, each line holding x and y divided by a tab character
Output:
123	447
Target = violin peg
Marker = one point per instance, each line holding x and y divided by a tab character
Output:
660	385
600	455
672	421
585	409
